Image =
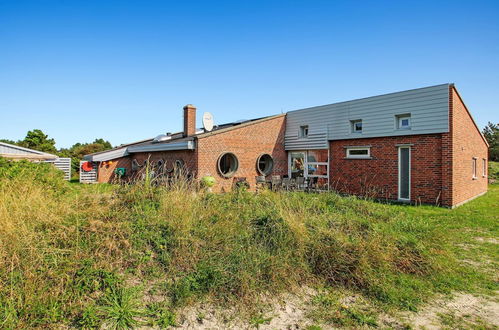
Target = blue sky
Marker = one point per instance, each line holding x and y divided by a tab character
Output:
123	70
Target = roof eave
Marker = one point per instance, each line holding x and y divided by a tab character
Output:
105	156
184	145
123	152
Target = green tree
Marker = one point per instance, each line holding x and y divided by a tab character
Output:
105	144
491	133
9	141
38	140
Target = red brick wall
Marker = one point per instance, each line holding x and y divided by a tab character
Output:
188	156
378	177
106	169
247	143
467	142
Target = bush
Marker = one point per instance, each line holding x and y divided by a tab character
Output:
23	171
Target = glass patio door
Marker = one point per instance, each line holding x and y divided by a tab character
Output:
297	164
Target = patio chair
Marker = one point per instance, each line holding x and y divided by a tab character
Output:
300	183
260	182
286	184
312	184
240	182
276	182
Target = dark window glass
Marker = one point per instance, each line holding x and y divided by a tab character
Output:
303	131
228	164
404	173
358	152
265	164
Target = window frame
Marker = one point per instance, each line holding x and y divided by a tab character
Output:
352	126
349	156
399	178
484	167
400	118
160	164
474	168
179	163
271	166
233	171
304	129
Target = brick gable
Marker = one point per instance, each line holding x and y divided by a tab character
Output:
247	142
467	143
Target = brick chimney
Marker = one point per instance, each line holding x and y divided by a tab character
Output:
189	120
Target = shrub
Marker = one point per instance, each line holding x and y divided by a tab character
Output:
22	171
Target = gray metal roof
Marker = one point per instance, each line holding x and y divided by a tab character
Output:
177	142
14	151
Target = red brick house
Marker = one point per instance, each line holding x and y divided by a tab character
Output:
227	152
419	146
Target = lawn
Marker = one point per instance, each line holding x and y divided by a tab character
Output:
125	256
494	171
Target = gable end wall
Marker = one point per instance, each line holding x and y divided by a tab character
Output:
467	143
247	143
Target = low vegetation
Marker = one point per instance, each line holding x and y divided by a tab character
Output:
124	256
493	171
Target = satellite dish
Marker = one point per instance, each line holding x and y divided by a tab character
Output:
207	121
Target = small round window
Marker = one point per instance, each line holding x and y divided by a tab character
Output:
179	163
228	164
265	164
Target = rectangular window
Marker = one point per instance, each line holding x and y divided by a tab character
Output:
356	126
304	131
358	152
404	175
484	167
403	121
474	167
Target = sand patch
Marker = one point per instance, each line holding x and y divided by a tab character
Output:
286	312
462	310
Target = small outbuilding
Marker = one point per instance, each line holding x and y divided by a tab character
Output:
14	152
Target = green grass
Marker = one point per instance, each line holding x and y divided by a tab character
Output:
124	256
493	170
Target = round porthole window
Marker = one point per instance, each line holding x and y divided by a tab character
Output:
265	164
160	165
135	165
228	164
179	163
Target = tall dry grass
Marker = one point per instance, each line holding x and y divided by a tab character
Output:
49	231
70	254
